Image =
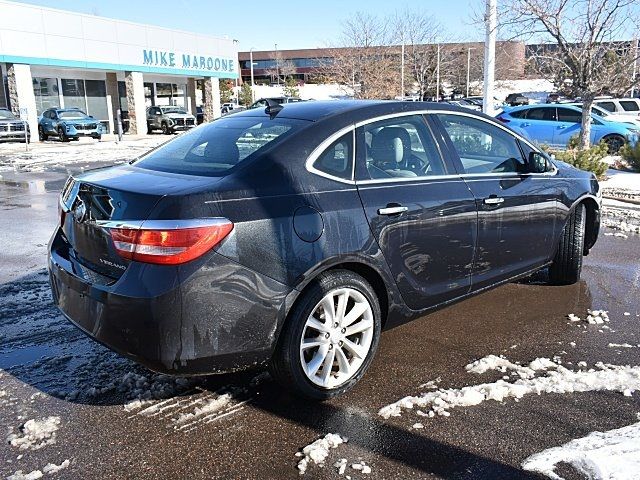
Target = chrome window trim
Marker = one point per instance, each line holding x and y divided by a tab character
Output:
162	224
329	140
320	149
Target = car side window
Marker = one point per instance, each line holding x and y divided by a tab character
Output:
568	115
541	114
337	159
629	105
610	106
401	147
483	147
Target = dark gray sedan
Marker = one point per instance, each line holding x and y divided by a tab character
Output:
293	235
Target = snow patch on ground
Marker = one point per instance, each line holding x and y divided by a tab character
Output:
35	434
594	317
501	364
614	454
49	468
623	345
624	379
318	451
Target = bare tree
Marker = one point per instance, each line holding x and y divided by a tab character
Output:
282	68
362	61
582	51
423	36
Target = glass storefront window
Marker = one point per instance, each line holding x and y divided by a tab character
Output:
73	94
148	94
122	93
46	93
97	99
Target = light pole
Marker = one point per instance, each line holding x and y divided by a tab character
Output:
438	75
236	42
402	71
635	68
489	56
468	67
253	95
277	65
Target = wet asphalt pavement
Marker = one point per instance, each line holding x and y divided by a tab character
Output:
49	368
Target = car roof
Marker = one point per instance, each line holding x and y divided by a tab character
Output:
352	111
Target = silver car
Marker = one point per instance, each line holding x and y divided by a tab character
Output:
169	119
11	127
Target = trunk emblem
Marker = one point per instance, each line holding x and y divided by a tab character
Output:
79	211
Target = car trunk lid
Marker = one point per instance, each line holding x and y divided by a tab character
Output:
92	203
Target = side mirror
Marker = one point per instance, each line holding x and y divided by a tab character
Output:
537	163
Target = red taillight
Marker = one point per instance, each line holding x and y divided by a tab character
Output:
168	246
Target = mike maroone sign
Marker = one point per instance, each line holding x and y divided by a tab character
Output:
168	59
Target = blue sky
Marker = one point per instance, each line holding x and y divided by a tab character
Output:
261	24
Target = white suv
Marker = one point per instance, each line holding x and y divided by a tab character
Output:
621	106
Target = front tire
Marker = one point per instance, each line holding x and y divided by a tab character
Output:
165	128
567	263
61	135
330	337
41	135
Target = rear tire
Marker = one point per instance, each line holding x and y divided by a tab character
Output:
341	358
149	129
567	263
614	143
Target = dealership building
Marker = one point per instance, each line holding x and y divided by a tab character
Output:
54	58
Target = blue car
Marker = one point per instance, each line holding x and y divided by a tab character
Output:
555	125
68	124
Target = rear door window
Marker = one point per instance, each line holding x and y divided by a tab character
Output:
481	146
629	105
541	114
607	106
569	116
215	148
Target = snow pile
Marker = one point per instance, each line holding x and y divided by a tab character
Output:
318	451
594	317
35	434
625	379
500	363
614	454
362	467
616	234
49	468
620	216
622	345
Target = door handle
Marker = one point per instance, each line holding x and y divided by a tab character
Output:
562	126
392	210
525	124
493	200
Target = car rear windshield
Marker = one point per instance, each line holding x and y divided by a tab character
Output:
215	148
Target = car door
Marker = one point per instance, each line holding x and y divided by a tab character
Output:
538	124
421	212
53	122
516	210
568	125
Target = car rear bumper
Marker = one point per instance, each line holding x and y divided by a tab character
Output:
209	316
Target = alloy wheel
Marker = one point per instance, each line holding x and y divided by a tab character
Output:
337	337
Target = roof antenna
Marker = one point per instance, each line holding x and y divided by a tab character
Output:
273	107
